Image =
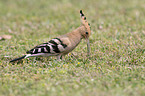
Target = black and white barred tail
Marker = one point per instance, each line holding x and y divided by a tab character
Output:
18	58
52	48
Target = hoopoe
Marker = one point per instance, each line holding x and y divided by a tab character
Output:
62	45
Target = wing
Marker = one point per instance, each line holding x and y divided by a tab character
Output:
54	46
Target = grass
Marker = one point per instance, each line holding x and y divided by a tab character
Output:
116	66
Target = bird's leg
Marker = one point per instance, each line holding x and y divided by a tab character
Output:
59	57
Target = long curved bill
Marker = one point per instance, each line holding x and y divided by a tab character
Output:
88	47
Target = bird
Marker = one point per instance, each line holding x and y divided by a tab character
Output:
62	45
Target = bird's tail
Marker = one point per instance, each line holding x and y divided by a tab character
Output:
18	58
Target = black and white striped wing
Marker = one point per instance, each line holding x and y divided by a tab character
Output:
53	47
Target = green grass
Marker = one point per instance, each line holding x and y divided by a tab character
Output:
116	66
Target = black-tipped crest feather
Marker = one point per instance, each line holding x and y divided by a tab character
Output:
81	13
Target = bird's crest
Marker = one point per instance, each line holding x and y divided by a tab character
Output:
85	22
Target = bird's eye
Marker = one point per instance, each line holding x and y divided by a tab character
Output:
86	32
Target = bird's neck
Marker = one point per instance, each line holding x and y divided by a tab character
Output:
75	36
76	33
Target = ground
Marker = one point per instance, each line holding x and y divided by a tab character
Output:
116	66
